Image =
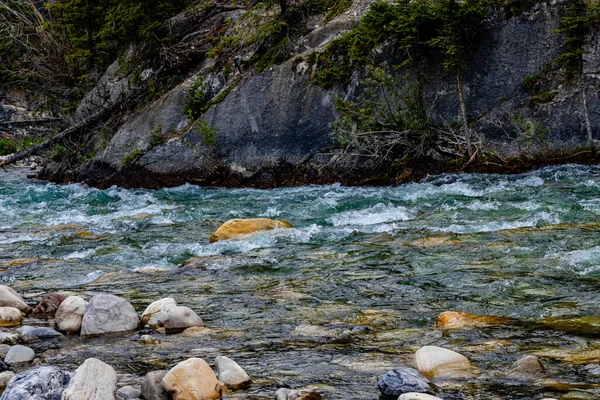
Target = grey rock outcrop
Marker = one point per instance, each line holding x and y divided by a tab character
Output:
129	393
107	313
177	319
93	380
33	333
44	383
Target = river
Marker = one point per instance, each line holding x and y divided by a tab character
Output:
351	292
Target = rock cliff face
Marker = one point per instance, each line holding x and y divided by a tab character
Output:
273	128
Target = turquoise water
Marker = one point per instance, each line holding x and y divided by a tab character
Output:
293	306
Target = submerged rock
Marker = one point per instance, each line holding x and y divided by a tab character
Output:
93	380
291	394
192	379
107	313
10	298
403	380
19	354
47	307
152	387
231	374
44	383
10	316
438	363
457	320
235	228
70	314
8	338
32	333
4	348
154	313
178	319
526	369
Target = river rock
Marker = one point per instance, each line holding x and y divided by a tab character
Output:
18	354
402	380
154	314
439	363
235	228
152	387
44	383
9	338
4	366
129	393
32	333
231	374
5	378
10	298
417	396
70	314
291	394
458	320
192	379
10	316
108	313
93	380
48	305
527	369
147	339
4	348
179	318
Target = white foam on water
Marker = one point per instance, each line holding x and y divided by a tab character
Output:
527	205
21	238
80	254
493	226
479	205
271	212
378	214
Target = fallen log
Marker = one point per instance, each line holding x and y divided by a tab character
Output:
52	140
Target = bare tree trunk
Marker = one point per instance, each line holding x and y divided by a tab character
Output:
283	6
586	114
463	114
52	140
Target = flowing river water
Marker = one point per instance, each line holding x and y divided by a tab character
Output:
351	292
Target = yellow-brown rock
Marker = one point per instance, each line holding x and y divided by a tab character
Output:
235	228
10	316
192	379
458	320
439	363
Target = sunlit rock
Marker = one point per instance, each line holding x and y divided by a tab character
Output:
439	363
19	354
153	315
10	316
93	380
457	320
48	305
29	384
403	380
152	387
108	313
177	319
302	394
418	396
235	228
231	374
70	314
527	369
192	379
10	298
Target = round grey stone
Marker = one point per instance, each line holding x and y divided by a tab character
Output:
44	383
403	380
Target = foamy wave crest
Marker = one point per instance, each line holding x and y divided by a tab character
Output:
541	218
378	214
